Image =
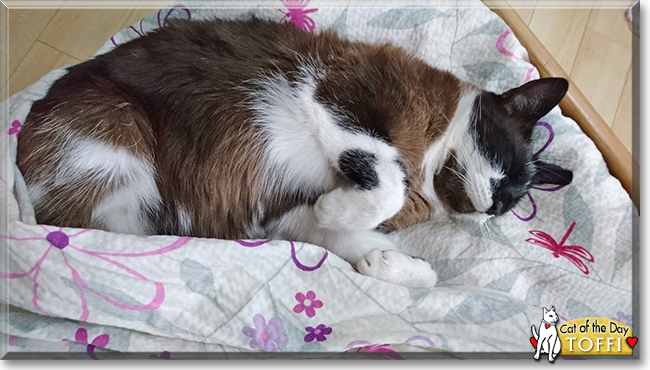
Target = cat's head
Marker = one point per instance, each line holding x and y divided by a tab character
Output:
550	316
490	165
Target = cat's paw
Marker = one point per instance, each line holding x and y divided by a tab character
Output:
397	268
346	209
536	356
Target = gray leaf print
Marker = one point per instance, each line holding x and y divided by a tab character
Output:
199	279
493	232
493	27
450	268
29	321
340	24
400	19
150	317
418	295
577	210
602	174
534	293
623	241
489	70
576	309
480	309
504	283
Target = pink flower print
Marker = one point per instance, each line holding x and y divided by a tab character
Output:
573	253
15	128
623	318
57	246
81	336
319	333
502	49
298	15
265	336
533	212
308	303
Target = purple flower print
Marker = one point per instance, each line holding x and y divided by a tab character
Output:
308	303
623	318
81	336
265	336
317	333
15	128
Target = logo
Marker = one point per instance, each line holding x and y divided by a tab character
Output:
546	340
587	336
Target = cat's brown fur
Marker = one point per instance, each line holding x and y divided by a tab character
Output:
199	132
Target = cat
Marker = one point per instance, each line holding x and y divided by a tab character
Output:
254	129
547	341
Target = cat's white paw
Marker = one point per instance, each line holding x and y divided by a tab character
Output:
536	356
397	268
346	209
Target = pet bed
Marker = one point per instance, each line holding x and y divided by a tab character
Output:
76	293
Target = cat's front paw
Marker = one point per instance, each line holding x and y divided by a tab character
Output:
397	268
536	356
345	209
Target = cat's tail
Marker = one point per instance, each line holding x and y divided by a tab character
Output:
534	331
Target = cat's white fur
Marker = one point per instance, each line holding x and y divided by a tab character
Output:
123	209
479	171
547	340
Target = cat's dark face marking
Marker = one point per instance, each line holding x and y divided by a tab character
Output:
494	167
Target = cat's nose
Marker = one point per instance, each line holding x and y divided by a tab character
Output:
497	209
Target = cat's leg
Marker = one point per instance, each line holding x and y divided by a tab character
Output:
376	178
373	253
552	339
540	343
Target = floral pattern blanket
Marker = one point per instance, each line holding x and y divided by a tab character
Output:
75	293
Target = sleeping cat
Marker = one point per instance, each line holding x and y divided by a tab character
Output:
254	129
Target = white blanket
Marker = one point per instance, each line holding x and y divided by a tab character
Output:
74	292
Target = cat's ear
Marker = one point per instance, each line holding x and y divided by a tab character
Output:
545	310
553	308
533	100
546	173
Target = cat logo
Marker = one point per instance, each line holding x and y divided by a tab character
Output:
546	339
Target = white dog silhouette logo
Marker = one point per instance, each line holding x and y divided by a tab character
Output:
547	341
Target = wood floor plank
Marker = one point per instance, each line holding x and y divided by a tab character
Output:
525	9
561	32
600	72
25	25
40	60
611	23
622	125
81	32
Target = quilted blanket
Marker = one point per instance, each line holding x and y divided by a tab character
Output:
79	293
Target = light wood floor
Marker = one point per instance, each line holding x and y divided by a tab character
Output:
593	45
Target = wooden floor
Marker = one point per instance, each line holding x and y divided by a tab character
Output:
594	46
